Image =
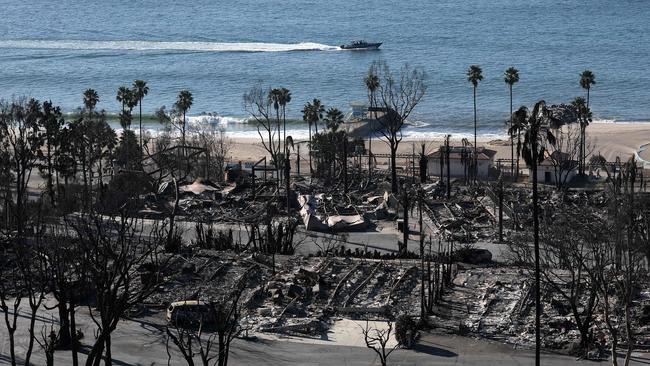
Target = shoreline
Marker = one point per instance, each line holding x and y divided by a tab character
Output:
609	139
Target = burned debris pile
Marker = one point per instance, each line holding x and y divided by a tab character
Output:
495	303
303	296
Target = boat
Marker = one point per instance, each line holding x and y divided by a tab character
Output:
360	45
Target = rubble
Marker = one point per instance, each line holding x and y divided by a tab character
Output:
494	303
333	223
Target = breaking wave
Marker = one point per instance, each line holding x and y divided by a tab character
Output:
215	120
165	46
435	135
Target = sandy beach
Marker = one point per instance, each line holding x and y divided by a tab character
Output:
610	140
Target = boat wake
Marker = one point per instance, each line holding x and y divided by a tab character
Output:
165	46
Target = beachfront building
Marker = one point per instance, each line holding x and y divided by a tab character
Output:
459	161
363	121
557	168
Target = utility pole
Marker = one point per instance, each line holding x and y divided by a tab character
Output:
287	176
345	164
447	152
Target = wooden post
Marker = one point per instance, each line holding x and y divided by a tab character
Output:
413	163
298	161
500	210
405	226
447	153
253	177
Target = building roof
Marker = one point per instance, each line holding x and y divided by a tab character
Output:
357	103
557	158
457	152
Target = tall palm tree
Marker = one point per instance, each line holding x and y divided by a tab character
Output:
474	75
536	135
183	104
333	119
519	120
140	90
285	98
511	77
584	118
312	113
372	83
91	98
320	108
275	95
124	96
587	79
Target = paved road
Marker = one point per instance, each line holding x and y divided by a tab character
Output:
383	238
142	342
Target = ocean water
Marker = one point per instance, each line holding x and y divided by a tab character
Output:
219	49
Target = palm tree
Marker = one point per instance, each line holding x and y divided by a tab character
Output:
372	83
285	98
584	118
91	98
312	113
183	104
536	134
140	89
275	95
587	79
511	76
124	96
333	119
320	108
474	75
518	125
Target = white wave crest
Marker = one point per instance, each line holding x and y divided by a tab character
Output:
296	135
214	121
621	122
434	135
165	46
596	120
417	124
